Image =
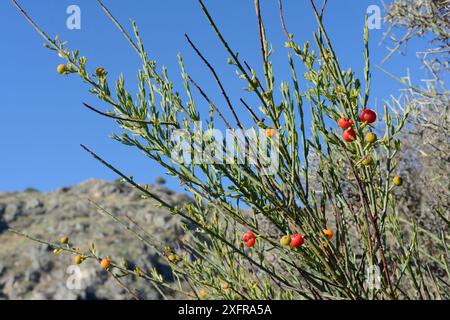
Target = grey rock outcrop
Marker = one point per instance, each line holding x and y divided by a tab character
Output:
29	270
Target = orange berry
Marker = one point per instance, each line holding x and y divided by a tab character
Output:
105	263
270	132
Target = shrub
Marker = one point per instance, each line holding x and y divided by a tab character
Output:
235	246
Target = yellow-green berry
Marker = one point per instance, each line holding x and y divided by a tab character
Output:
398	181
62	69
78	259
285	240
371	137
367	161
100	72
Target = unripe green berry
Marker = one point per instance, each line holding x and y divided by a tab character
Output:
64	240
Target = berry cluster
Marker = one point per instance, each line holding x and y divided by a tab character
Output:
366	116
294	240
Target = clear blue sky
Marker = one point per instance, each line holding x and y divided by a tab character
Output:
43	121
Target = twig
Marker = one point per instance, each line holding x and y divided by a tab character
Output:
283	24
156	122
255	117
210	102
130	292
216	77
372	219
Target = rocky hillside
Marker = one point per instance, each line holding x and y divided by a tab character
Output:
31	271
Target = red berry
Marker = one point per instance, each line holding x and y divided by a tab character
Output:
349	135
368	116
250	243
296	240
249	239
345	123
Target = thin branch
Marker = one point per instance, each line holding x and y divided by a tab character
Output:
128	179
210	102
365	201
261	34
216	77
130	292
34	25
255	117
119	26
283	24
231	52
155	122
